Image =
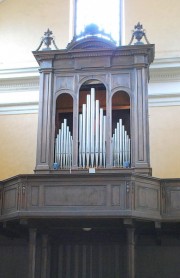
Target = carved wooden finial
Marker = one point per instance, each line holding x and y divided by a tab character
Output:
138	34
47	39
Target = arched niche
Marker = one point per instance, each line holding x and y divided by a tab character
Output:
121	133
100	92
91	133
63	131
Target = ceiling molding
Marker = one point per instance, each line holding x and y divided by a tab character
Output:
12	73
164	75
165	70
25	108
164	100
14	84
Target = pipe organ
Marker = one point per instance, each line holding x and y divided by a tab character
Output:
92	139
106	128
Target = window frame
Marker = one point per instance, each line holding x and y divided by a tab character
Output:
121	21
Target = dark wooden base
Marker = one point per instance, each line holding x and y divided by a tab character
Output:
94	225
94	248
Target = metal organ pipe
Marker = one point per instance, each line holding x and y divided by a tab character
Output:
121	145
92	113
92	133
63	147
92	139
87	130
97	133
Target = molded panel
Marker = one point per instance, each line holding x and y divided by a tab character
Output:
88	195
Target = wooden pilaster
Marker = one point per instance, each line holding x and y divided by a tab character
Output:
54	259
32	252
44	256
130	252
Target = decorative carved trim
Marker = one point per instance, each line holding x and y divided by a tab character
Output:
94	52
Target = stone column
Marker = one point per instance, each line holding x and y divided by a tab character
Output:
32	252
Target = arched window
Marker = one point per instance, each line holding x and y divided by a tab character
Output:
107	15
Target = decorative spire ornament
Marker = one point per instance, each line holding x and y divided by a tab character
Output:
47	39
138	34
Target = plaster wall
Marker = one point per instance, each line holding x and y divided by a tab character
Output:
160	19
18	136
23	23
164	141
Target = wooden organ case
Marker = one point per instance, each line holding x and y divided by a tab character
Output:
93	108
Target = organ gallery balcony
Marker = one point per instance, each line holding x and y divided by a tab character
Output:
110	195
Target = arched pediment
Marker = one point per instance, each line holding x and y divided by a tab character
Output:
91	42
92	38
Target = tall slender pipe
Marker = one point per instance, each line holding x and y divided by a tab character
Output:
92	113
98	137
63	146
83	134
120	145
80	140
101	138
88	135
104	141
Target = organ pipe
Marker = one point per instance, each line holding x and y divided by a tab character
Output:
97	133
92	139
64	147
121	145
92	133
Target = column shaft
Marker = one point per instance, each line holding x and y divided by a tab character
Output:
32	252
44	256
130	253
